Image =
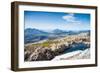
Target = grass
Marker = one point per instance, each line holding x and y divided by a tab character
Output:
46	44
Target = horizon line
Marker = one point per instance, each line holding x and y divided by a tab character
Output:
55	29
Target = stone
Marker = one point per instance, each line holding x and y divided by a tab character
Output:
41	54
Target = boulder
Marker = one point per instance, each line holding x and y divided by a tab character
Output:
41	54
60	49
26	55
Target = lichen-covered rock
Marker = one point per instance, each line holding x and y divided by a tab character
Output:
26	55
41	54
60	49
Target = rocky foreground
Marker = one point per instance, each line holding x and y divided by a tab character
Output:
85	54
50	49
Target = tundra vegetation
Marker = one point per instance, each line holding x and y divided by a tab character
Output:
49	49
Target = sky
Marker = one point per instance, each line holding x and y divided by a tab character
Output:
56	20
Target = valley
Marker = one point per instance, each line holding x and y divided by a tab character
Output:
44	46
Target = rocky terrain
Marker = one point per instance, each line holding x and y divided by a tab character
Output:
49	49
85	54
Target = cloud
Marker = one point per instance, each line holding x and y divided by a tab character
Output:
73	23
71	18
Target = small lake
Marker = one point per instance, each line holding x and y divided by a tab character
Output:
76	46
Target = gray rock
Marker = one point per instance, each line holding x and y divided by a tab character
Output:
26	55
60	49
41	54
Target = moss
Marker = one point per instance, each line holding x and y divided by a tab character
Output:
46	44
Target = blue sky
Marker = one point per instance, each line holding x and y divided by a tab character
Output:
56	20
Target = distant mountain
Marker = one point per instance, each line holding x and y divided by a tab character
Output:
84	31
34	35
58	31
34	31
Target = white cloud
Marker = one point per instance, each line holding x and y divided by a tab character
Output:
71	18
73	23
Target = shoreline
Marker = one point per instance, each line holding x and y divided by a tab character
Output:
85	54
